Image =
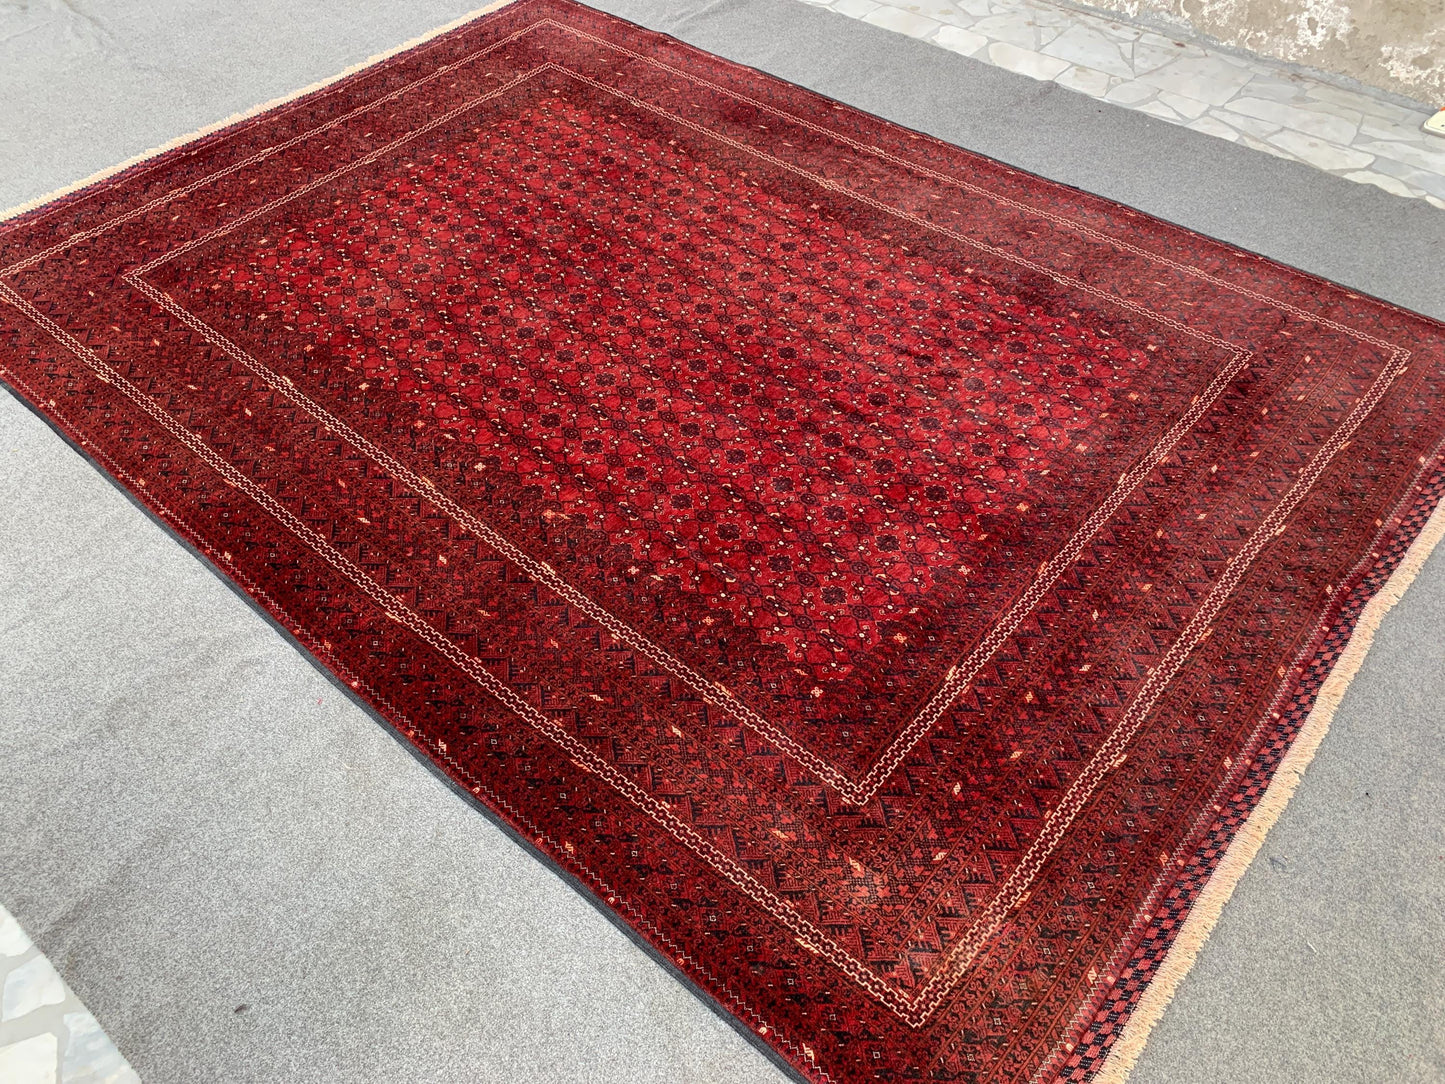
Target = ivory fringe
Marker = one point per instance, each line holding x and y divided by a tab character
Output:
1250	837
235	118
1247	841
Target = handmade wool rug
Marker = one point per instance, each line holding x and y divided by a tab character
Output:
888	581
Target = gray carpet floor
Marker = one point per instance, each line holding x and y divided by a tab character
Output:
247	879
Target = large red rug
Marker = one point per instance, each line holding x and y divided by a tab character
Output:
887	580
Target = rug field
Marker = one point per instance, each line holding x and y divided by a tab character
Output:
888	581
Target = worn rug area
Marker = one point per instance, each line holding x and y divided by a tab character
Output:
887	581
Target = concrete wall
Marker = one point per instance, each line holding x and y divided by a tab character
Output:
1396	45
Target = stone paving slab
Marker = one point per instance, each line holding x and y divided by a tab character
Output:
1364	136
46	1035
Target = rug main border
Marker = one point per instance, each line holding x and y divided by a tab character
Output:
1202	912
1205	910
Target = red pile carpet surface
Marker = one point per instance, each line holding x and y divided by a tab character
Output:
885	579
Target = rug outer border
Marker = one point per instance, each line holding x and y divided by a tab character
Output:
1208	906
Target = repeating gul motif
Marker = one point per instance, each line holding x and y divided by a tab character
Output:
631	333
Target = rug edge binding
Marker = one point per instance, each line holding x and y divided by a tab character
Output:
1204	914
256	110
